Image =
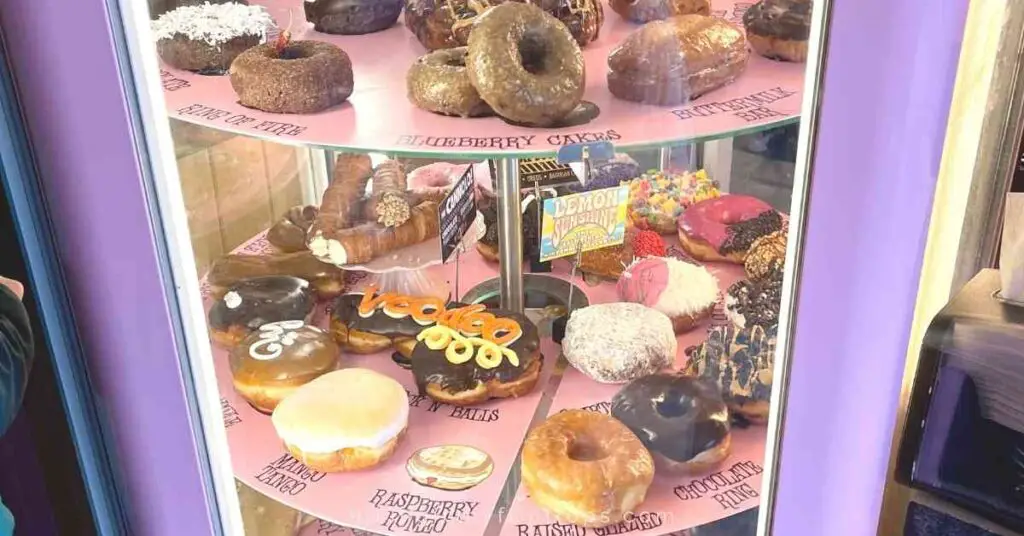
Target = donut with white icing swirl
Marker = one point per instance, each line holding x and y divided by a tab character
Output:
619	342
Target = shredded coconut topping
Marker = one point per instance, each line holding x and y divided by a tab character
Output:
214	24
619	342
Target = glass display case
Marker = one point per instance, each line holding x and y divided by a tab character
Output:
504	268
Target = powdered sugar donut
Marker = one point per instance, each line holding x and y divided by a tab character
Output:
684	292
619	342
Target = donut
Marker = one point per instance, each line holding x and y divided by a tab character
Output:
722	229
449	467
304	77
469	364
779	29
345	420
440	24
750	302
583	18
618	342
352	17
585	468
327	281
657	199
250	303
525	64
673	61
438	82
685	293
682	421
277	359
740	362
288	235
609	262
378	329
766	256
207	38
609	173
642	11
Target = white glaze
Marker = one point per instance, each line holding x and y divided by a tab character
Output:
232	300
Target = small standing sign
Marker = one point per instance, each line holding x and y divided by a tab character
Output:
583	222
456	214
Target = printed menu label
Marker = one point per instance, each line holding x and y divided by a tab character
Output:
583	222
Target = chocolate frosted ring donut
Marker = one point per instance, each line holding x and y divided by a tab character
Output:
525	64
438	82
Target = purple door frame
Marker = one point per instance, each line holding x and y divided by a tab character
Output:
888	84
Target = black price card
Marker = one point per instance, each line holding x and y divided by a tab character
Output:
541	172
456	214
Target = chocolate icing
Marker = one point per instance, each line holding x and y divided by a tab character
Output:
740	361
262	300
352	17
287	354
231	269
289	233
674	415
785	19
741	235
431	366
346	311
757	301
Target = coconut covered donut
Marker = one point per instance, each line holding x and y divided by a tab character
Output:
525	64
300	77
207	38
619	342
438	82
686	293
750	302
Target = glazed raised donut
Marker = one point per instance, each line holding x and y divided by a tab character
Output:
586	468
682	421
345	420
302	78
277	359
438	82
525	64
250	303
619	342
686	293
641	11
722	229
740	362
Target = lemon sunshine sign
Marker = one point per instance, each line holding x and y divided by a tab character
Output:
583	222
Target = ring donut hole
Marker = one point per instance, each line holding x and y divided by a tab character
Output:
534	52
674	405
586	448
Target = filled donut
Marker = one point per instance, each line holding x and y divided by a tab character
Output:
586	468
352	17
300	77
327	281
723	229
740	362
619	342
779	29
476	355
207	38
279	358
642	11
682	421
345	420
583	18
438	82
686	293
672	61
251	303
525	64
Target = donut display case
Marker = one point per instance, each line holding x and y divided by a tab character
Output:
489	267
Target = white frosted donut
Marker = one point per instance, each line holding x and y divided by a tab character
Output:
619	342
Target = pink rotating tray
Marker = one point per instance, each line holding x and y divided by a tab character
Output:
372	501
379	117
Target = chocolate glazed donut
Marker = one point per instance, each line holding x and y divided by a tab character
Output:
525	64
681	420
438	82
352	17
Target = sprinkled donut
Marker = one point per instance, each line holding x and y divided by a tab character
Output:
722	229
740	361
525	64
438	82
619	342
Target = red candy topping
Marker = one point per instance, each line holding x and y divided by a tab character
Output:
648	244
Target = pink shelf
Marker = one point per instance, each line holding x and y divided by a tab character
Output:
379	117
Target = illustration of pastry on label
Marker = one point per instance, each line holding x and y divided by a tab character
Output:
450	467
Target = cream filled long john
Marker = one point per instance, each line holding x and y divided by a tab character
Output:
346	420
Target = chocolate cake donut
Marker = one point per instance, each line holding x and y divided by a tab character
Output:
207	38
328	281
779	29
642	11
525	64
301	78
740	362
261	300
672	61
352	17
682	421
438	82
471	379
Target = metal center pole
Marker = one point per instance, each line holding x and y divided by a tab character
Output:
510	234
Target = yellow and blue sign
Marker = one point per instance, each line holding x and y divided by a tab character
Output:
583	222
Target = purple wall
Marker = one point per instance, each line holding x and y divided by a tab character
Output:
888	83
887	89
68	81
